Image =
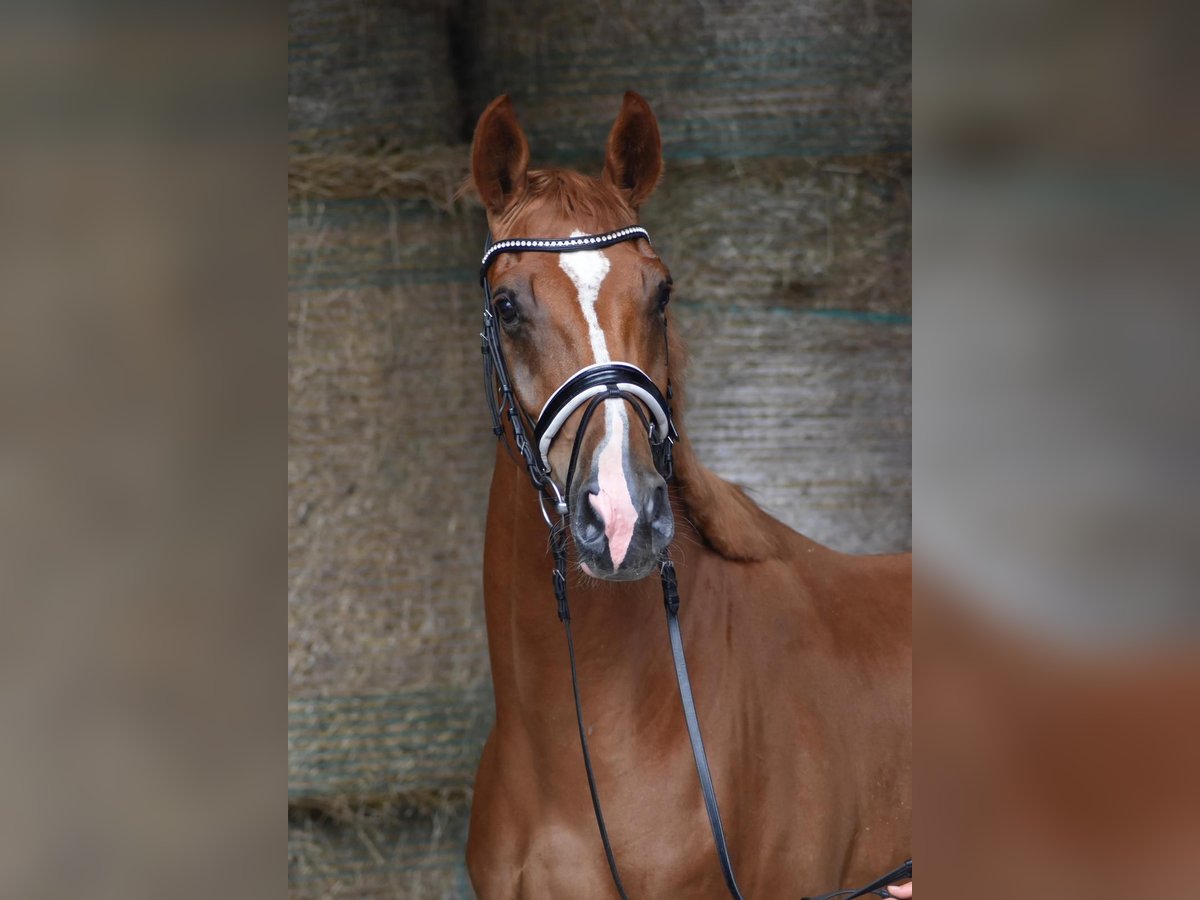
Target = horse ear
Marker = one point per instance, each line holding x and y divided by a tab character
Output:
499	156
633	160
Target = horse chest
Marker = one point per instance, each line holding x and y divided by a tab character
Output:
533	835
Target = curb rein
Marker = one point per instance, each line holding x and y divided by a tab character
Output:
588	388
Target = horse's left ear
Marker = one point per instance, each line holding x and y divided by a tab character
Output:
633	160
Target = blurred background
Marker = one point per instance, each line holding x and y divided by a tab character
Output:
1056	444
144	565
785	218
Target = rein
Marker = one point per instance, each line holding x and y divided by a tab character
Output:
588	388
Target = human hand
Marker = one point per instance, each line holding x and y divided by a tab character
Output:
901	890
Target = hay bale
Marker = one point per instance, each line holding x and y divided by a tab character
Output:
827	234
385	748
388	454
761	78
384	853
793	284
811	413
369	73
432	176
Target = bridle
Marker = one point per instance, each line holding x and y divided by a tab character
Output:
587	389
590	386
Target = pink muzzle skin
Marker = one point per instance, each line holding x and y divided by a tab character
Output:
613	504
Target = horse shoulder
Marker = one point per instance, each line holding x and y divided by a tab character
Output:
807	710
518	849
494	846
864	599
862	661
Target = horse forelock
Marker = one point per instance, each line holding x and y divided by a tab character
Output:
557	198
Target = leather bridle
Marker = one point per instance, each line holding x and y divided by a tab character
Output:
587	389
589	386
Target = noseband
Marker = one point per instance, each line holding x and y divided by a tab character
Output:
587	389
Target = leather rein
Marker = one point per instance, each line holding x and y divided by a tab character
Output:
589	388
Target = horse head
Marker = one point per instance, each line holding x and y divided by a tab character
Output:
560	313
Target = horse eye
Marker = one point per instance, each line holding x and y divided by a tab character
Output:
664	295
506	309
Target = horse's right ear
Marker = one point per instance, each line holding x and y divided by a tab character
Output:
499	156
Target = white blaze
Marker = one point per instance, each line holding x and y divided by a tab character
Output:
614	505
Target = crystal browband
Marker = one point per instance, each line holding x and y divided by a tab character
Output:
560	245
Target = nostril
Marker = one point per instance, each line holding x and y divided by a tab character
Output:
658	505
589	526
662	521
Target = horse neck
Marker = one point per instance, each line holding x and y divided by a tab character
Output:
620	642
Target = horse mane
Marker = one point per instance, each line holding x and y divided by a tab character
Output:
726	518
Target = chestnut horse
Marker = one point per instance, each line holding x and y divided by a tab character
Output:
800	656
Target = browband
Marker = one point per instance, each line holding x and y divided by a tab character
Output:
560	245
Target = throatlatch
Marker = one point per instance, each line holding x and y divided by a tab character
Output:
587	389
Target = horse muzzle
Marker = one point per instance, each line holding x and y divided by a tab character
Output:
620	534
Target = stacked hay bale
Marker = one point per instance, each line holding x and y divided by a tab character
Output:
727	80
387	474
388	699
368	73
793	275
784	216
